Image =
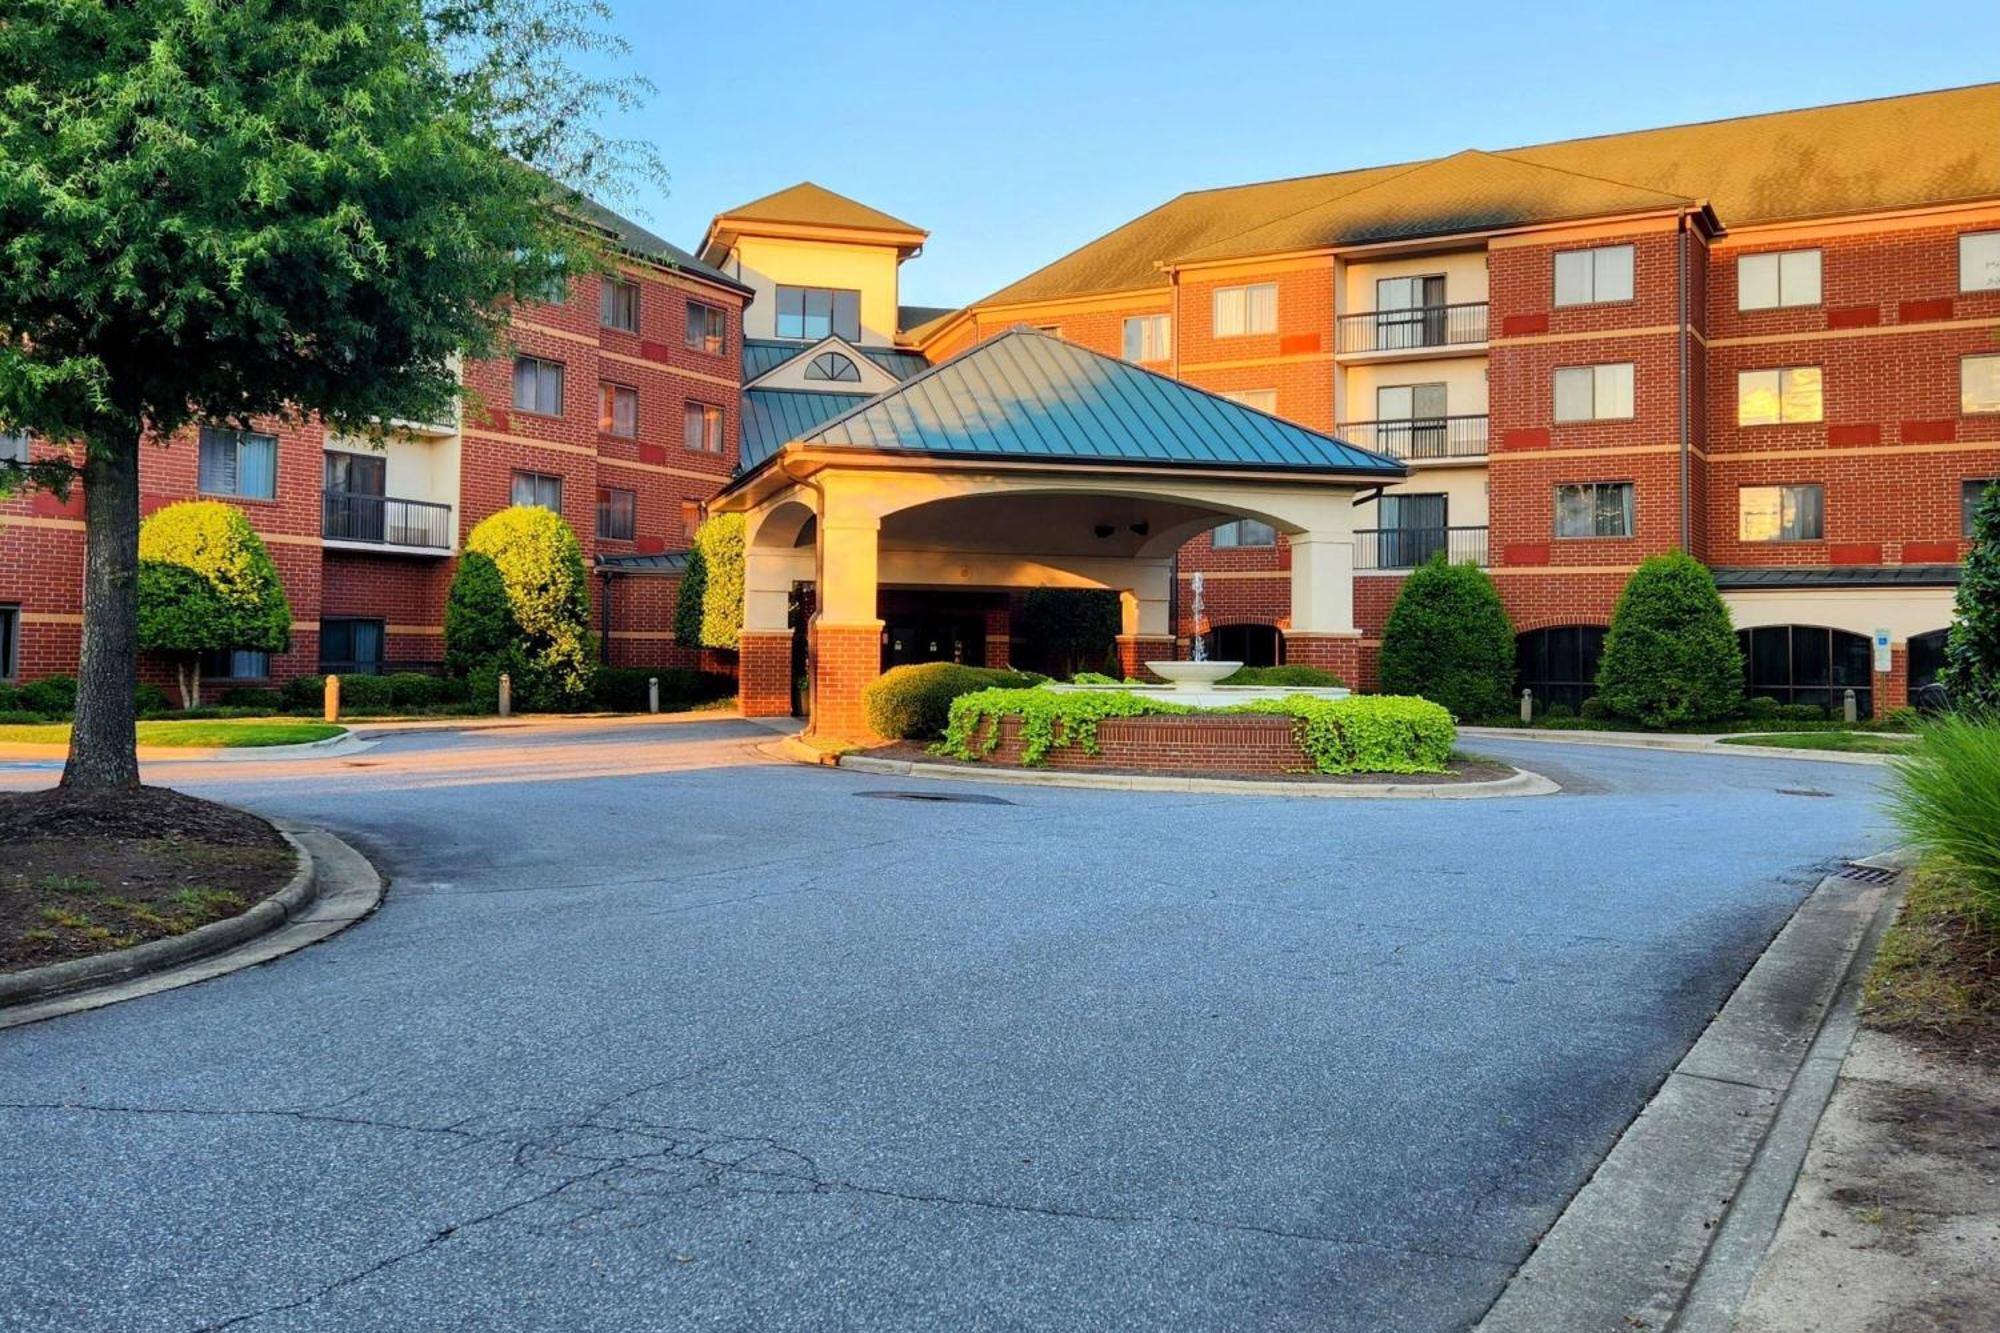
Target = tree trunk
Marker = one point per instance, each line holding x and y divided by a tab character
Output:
103	747
189	674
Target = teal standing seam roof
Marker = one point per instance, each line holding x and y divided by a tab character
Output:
1030	396
773	416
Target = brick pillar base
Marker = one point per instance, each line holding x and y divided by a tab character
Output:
999	640
1338	653
764	673
844	659
1134	651
1892	690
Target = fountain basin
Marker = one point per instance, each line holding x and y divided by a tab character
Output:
1193	675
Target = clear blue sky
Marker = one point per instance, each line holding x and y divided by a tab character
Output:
1016	131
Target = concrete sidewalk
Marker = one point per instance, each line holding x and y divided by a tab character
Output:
1704	743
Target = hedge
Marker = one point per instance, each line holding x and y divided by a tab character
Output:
623	689
914	702
1359	734
1307	676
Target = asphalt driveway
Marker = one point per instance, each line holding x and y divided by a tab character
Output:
652	1034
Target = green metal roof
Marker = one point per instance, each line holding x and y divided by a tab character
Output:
1027	395
773	416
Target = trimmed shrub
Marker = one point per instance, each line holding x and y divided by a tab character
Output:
1099	678
1971	675
1761	707
1671	657
206	584
1307	676
1592	709
1946	796
413	689
1800	713
269	701
366	694
709	612
914	702
623	689
152	699
1068	629
306	692
520	603
51	696
1448	640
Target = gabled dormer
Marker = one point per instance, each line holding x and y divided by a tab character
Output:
831	365
821	265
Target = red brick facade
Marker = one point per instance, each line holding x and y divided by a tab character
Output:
1252	746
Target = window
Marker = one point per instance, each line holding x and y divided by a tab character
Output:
1594	393
1971	494
690	519
1414	528
10	642
538	488
1780	513
1264	400
708	327
1594	509
814	312
1979	262
238	462
543	279
538	386
1806	664
1559	664
1149	337
1787	278
617	513
1926	652
618	305
1771	397
1244	532
1244	310
352	506
618	410
235	664
349	646
1252	645
1410	420
704	428
833	366
1979	384
13	446
1593	277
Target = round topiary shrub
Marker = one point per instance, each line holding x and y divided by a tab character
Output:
914	702
1448	640
206	584
520	604
1671	656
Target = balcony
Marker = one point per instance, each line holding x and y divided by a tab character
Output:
1418	328
377	520
1406	548
1420	439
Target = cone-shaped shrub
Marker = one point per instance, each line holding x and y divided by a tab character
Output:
1671	656
1448	640
1972	652
520	603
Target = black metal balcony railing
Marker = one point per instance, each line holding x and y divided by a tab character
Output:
1406	548
1418	326
351	516
1420	437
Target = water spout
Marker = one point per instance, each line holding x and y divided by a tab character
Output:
1200	646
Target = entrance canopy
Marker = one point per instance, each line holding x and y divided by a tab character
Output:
1031	462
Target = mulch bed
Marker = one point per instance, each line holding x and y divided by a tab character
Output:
1464	769
86	872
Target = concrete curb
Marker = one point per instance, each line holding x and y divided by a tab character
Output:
1627	1251
334	887
1521	783
1639	740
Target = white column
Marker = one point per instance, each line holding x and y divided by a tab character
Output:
1323	583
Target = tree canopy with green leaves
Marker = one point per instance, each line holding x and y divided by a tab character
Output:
520	603
269	208
207	584
1971	674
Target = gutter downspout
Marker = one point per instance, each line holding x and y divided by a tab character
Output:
1681	349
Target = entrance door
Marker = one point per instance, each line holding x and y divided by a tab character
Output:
1413	529
935	639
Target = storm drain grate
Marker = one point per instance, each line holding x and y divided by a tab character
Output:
1865	874
947	797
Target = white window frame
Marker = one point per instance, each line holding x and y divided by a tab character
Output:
707	328
1793	278
14	446
1990	363
217	435
1784	494
1609	380
607	505
1628	510
1244	311
1971	493
1784	383
1154	340
1979	261
1600	275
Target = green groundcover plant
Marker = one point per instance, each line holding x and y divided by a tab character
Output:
1946	796
1359	734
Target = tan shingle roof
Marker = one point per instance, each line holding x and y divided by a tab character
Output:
812	205
1897	152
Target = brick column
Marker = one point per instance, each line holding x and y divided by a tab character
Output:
999	640
1135	650
1338	653
764	673
844	659
1892	689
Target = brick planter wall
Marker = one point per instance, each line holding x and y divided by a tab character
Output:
1246	745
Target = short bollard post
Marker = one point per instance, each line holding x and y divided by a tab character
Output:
1527	705
333	698
652	694
1850	707
506	695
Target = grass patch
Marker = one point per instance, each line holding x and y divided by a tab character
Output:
204	734
1848	742
1936	976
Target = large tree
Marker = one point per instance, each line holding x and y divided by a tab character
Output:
268	208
